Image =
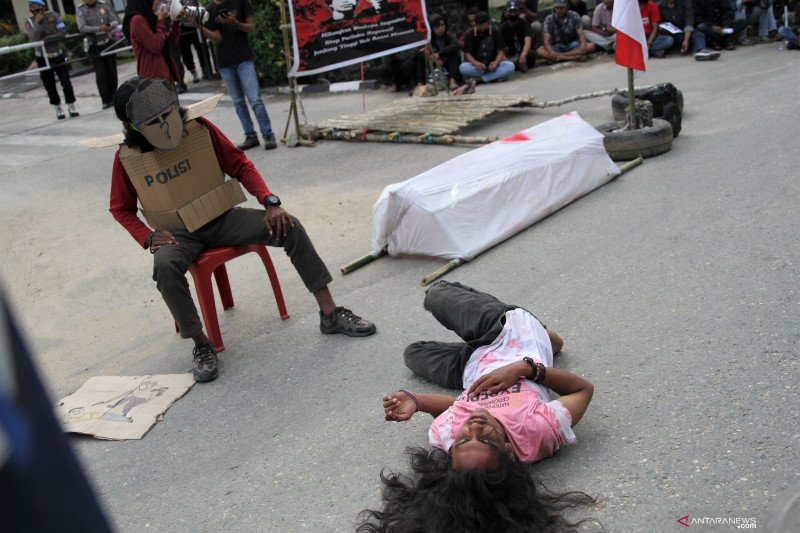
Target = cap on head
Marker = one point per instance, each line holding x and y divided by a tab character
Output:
37	2
512	5
481	17
139	99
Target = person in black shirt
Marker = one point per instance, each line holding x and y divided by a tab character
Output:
517	35
484	50
443	51
229	23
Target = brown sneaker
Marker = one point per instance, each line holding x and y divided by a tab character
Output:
346	322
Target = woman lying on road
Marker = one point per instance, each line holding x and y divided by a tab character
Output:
476	477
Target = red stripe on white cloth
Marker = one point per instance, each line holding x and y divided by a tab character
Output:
631	46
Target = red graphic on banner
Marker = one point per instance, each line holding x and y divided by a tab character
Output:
330	34
684	520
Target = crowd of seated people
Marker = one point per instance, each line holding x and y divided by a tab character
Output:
490	51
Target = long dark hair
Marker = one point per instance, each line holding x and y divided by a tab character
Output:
138	7
436	498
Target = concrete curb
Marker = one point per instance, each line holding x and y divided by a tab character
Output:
319	88
339	87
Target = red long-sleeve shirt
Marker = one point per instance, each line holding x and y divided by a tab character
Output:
148	48
232	161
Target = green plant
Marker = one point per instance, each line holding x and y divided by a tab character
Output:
15	61
267	42
71	23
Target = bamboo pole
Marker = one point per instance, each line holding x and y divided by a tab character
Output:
288	139
363	260
630	165
398	137
441	271
631	102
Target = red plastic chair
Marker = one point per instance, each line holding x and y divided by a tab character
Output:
213	261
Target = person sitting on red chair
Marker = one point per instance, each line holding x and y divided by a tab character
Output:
152	118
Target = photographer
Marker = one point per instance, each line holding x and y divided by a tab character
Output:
229	24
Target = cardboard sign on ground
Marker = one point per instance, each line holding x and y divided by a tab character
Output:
121	407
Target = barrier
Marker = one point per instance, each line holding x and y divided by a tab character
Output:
108	50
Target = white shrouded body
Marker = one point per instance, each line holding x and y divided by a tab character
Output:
468	204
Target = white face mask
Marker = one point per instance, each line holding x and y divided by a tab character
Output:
153	110
165	130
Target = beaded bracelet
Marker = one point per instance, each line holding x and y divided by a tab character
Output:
412	396
541	373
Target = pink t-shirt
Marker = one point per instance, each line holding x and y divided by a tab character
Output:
535	425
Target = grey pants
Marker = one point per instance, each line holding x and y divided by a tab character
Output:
237	227
475	316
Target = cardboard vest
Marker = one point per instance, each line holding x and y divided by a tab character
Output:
184	188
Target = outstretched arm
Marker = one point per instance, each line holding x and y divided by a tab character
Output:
401	405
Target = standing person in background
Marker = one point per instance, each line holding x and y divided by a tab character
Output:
229	24
152	40
189	39
97	19
45	26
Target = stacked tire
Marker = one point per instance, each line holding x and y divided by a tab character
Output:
624	145
667	103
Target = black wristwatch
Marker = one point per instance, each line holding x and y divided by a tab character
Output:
271	201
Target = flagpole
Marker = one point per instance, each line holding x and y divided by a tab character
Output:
297	138
631	102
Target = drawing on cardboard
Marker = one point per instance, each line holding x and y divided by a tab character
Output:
121	407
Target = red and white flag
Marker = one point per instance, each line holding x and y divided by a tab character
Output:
631	47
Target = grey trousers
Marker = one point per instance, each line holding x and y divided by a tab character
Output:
476	317
239	226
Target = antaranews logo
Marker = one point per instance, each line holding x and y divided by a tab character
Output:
737	522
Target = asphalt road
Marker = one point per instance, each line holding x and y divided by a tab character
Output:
675	288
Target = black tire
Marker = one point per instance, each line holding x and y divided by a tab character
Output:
673	115
630	144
